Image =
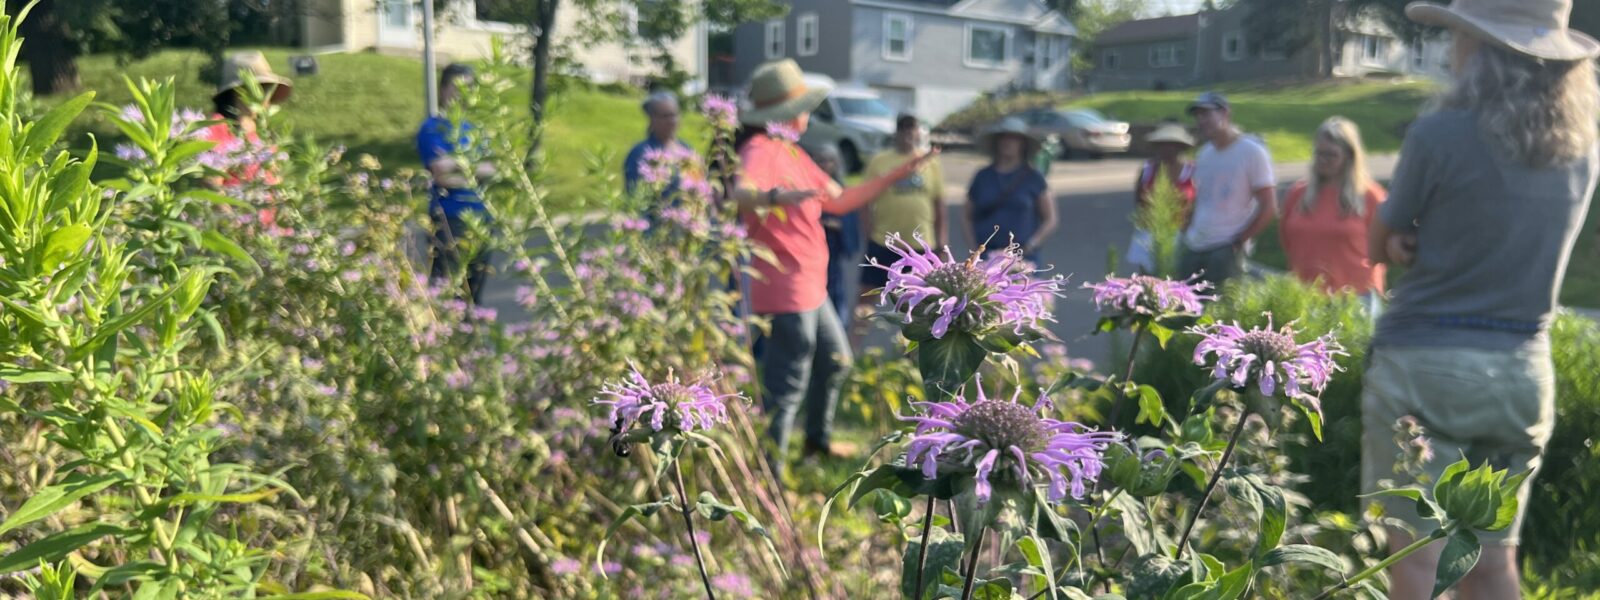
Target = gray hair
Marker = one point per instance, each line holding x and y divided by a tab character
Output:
656	99
1542	112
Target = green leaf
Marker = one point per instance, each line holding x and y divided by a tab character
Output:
216	198
944	551
134	571
62	245
1202	398
628	514
1233	585
57	546
1150	408
1038	556
15	375
45	131
1508	502
53	498
1163	334
1461	552
947	364
188	498
1304	553
710	508
216	242
1274	517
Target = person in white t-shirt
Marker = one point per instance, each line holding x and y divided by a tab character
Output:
1236	194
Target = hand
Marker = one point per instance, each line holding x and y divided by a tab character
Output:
1401	248
788	197
485	170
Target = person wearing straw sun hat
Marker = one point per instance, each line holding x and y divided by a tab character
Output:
1009	199
1167	143
781	196
1489	195
234	132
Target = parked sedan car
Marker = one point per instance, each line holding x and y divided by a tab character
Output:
1080	131
854	120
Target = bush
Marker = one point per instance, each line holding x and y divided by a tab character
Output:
991	108
1562	532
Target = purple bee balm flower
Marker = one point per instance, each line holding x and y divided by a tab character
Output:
970	295
1007	443
783	133
736	584
130	153
696	188
1145	295
1270	359
132	113
722	112
672	404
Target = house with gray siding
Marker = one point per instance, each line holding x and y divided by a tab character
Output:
927	57
1213	47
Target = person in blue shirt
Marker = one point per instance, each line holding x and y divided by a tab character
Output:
1010	199
440	143
662	110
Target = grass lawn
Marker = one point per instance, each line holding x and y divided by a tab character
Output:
1287	117
373	104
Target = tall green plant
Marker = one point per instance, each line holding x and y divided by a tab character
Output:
101	292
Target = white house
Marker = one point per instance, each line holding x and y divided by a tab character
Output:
463	30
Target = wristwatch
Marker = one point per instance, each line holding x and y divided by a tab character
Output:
772	196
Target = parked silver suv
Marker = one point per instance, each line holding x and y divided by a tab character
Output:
856	121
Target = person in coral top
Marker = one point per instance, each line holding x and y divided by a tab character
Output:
782	196
1325	217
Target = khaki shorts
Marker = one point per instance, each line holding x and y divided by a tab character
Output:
1488	406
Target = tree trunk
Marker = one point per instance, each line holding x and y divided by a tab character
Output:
48	47
546	24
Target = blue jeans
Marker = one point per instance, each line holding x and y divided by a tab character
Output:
840	262
803	363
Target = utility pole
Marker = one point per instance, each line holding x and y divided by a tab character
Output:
430	78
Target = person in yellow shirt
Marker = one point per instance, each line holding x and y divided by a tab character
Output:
914	205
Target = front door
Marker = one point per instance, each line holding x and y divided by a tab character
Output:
397	26
1050	62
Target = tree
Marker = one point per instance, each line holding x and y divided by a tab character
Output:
1314	25
1093	17
659	23
57	32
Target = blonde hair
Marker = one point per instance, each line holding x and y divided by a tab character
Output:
1354	181
1541	112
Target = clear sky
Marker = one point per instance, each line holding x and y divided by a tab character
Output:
1171	7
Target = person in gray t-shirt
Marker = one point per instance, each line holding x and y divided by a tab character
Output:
1489	196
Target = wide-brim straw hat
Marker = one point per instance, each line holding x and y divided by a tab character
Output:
1170	133
1535	28
255	63
1010	126
779	92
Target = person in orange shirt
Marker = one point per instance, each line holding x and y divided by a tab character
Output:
1327	215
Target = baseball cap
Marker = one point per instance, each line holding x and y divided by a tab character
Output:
1209	100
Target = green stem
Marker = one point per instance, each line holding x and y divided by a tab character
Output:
922	552
1438	534
972	564
1233	440
688	520
1133	352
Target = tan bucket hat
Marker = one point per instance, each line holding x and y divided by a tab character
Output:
779	92
1171	133
1010	126
1536	28
255	63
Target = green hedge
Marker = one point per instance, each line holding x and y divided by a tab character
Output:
1562	534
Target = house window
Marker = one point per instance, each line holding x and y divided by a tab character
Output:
1374	49
896	36
1051	51
775	38
1109	60
808	31
1233	46
1167	55
497	11
987	46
